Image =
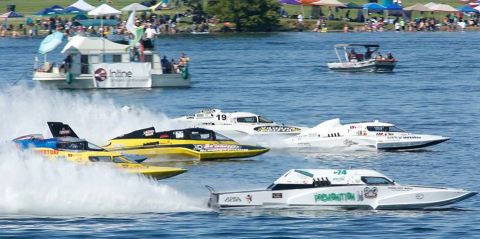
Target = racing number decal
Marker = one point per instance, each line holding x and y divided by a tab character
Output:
222	117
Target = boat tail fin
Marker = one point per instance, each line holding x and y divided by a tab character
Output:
59	129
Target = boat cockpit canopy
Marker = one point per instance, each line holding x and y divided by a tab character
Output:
254	119
186	134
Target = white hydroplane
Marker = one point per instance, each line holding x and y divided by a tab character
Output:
345	188
238	124
378	135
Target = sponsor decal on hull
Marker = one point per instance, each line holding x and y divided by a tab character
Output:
370	192
217	147
277	129
331	197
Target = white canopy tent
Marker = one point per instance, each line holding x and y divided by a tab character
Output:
329	3
418	7
477	8
92	45
82	5
443	8
104	10
430	5
135	7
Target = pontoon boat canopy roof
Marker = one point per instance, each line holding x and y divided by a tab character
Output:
93	45
356	44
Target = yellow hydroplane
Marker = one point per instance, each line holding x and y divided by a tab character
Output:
66	145
198	143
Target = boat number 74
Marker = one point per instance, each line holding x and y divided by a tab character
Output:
340	172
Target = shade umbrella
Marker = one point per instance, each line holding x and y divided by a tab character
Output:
444	8
135	7
418	7
50	42
373	7
82	5
290	2
329	3
72	10
467	9
11	14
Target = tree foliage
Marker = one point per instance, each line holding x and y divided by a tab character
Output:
248	15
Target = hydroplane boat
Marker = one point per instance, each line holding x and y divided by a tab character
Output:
198	143
238	124
66	145
95	62
344	188
371	61
378	135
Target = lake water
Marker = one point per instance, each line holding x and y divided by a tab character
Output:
435	90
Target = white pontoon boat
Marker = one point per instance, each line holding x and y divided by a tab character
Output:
345	188
94	62
370	61
383	136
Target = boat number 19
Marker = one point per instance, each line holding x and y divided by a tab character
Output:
222	117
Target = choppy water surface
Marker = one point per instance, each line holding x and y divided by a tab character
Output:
435	89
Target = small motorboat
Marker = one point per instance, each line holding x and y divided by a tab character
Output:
378	135
65	145
238	124
198	143
344	188
371	61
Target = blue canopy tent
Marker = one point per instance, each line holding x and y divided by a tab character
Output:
393	7
11	14
467	9
45	12
372	7
56	8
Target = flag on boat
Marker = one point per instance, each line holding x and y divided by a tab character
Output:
136	31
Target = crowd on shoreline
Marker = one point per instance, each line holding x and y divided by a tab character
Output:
156	24
153	24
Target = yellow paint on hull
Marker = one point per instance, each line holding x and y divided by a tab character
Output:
85	157
182	148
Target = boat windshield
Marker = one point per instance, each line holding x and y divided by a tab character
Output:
221	137
377	181
94	147
384	129
262	119
252	119
195	135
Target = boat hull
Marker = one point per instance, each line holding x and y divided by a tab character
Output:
196	151
351	197
374	66
85	81
408	142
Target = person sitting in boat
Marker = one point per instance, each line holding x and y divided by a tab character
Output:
352	55
65	66
379	56
166	65
183	59
368	54
390	56
174	67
